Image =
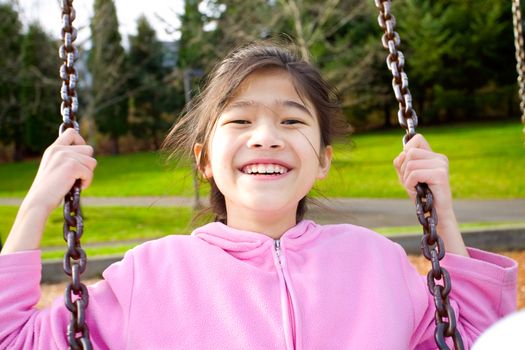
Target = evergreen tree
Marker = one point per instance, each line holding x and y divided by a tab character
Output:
454	51
459	54
148	87
39	91
107	65
10	119
194	46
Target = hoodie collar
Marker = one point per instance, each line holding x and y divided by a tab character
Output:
248	243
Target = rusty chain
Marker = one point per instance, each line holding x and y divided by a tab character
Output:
520	55
432	245
76	295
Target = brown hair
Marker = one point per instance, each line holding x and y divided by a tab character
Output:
198	120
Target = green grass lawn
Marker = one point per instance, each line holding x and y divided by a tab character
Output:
111	224
479	154
486	161
138	174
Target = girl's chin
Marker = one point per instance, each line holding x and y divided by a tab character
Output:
269	203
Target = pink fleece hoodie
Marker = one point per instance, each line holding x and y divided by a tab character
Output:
318	287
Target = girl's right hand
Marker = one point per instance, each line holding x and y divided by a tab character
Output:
67	159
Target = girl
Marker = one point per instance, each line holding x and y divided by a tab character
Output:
259	277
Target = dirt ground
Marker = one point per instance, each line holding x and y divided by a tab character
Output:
51	291
422	264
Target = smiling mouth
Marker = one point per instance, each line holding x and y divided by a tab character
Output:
264	169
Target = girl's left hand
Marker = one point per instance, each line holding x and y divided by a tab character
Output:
418	163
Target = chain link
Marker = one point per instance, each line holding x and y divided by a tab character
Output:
432	245
76	296
520	55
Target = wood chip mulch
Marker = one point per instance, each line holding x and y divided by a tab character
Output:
51	291
422	265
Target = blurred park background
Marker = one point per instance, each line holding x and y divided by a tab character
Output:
460	62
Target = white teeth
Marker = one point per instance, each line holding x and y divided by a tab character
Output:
264	169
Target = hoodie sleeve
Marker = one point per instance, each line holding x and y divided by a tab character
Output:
484	289
22	326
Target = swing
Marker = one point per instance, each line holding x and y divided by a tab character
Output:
75	260
431	244
520	55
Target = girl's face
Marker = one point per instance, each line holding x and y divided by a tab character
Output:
265	152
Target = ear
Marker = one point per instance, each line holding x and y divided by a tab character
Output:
197	151
325	161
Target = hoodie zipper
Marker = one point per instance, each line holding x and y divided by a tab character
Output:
278	251
291	317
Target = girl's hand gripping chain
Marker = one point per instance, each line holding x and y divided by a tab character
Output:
67	159
418	163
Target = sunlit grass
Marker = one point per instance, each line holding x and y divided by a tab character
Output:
111	224
486	161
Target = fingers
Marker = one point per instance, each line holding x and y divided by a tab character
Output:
77	166
399	160
429	162
408	162
87	161
418	141
66	160
424	171
409	171
81	149
417	154
417	163
69	137
69	158
85	174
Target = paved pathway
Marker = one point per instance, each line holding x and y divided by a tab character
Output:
361	211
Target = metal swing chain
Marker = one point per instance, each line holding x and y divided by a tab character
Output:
75	260
520	55
432	245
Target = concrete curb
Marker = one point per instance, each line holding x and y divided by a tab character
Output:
53	272
491	240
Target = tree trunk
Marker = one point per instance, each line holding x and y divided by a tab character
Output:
18	152
421	110
114	145
386	111
510	106
155	141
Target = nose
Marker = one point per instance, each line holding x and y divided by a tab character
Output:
265	136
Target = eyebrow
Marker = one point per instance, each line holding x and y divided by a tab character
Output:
284	103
